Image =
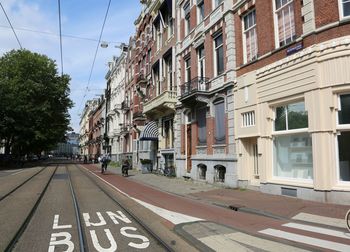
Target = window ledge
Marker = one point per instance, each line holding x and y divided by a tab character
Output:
297	182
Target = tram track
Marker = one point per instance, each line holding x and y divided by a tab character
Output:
21	184
136	218
22	228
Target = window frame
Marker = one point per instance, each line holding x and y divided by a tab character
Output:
187	18
201	61
276	25
200	7
339	129
245	31
341	9
216	50
289	132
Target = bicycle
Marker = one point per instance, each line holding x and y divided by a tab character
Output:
347	220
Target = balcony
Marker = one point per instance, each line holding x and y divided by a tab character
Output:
195	87
199	84
125	106
161	104
140	79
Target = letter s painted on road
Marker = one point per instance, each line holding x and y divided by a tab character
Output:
145	241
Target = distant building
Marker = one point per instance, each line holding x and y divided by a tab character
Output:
70	147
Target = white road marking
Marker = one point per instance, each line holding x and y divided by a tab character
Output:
234	241
173	217
17	172
306	240
318	230
320	220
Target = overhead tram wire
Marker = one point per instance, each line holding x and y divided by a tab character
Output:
55	34
14	32
60	27
98	45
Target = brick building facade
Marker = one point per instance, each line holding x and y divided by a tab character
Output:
292	97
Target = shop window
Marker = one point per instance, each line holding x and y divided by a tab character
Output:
220	125
292	143
344	8
250	44
220	172
284	22
343	137
202	125
202	171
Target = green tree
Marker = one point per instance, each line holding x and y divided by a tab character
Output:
34	103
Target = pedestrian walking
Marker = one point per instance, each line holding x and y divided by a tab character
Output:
104	163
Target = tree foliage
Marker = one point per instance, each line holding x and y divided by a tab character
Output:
34	102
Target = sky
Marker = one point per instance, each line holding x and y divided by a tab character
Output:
36	23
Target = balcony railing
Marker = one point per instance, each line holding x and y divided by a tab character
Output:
140	78
125	105
196	84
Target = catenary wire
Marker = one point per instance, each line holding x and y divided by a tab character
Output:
60	27
14	32
93	63
55	34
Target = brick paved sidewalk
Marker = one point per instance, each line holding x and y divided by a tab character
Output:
248	201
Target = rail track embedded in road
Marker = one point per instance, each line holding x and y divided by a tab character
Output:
22	228
138	220
21	184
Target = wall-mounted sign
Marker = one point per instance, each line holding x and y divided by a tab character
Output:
295	48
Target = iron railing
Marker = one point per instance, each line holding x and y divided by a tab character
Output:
196	84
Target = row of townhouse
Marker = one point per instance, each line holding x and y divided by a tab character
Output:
241	93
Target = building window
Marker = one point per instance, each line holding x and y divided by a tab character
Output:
202	125
250	45
343	137
217	3
248	119
170	26
292	143
187	15
220	125
202	171
219	54
187	69
284	24
344	8
201	62
169	72
200	10
220	172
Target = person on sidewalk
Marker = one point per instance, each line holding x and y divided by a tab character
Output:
104	163
125	168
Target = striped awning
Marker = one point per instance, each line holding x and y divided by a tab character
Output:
150	132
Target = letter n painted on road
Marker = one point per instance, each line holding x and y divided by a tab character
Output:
55	223
96	224
66	241
119	216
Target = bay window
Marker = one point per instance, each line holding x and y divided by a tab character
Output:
292	143
343	137
284	22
